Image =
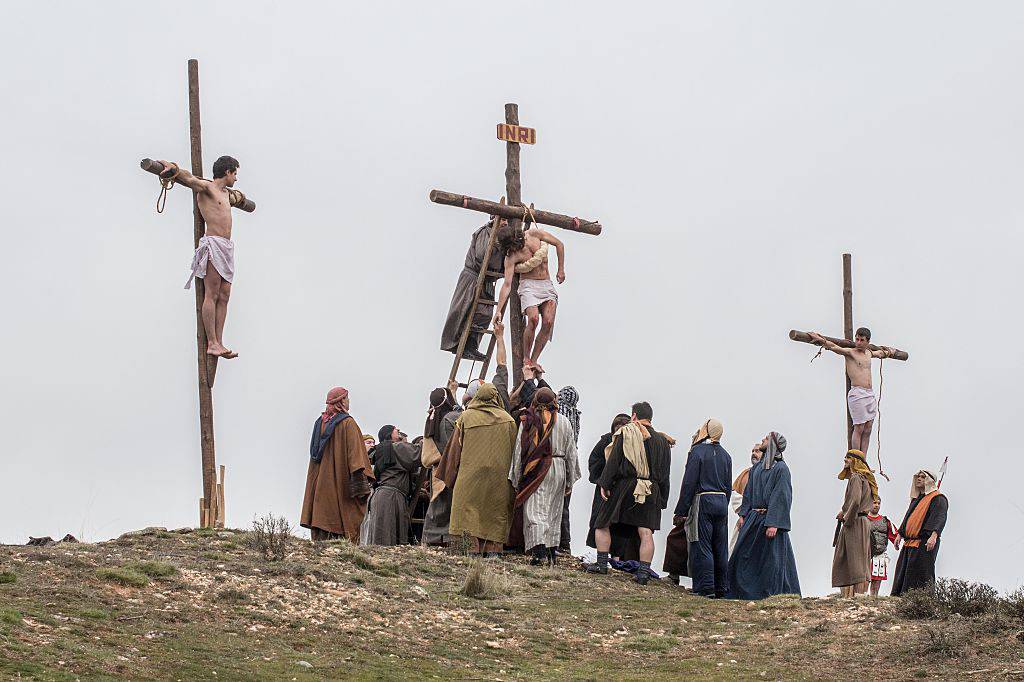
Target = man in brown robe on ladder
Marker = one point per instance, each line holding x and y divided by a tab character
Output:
338	480
465	290
851	563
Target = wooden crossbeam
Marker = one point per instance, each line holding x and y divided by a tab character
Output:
237	199
805	337
565	222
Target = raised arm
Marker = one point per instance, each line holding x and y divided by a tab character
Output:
506	288
559	249
183	177
828	345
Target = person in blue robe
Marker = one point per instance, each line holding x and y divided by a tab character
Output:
763	563
703	509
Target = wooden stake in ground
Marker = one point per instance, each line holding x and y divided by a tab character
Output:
211	505
513	135
847	341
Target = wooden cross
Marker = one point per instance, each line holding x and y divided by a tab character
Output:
211	505
513	135
847	342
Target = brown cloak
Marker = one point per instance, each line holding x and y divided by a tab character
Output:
328	505
851	564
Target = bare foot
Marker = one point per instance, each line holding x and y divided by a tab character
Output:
216	349
536	367
230	355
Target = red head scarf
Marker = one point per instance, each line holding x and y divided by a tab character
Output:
334	398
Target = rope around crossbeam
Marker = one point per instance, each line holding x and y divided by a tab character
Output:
878	418
166	183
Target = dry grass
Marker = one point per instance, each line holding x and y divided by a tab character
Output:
486	581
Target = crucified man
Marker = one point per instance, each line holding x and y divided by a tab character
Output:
526	254
861	399
215	247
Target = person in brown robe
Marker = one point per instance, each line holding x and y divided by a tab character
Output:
851	563
338	480
465	294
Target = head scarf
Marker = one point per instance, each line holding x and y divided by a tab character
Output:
931	483
568	398
473	388
441	403
710	430
383	453
485	409
776	446
334	398
860	466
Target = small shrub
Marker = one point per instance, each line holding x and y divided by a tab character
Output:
7	577
1013	605
918	605
95	614
154	569
944	641
484	582
123	576
966	598
233	595
270	536
10	616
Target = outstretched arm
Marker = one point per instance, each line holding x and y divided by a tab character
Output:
506	288
559	249
183	177
828	345
882	352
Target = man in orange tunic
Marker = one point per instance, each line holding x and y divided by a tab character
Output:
338	481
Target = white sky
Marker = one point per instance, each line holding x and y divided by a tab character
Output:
732	150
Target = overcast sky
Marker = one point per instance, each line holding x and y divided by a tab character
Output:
733	152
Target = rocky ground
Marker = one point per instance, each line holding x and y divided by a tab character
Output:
188	605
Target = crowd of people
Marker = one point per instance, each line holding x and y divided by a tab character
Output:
495	470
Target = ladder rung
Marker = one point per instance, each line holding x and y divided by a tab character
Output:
495	273
484	301
481	330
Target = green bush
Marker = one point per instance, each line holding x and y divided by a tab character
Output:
123	576
1014	604
154	569
918	605
966	598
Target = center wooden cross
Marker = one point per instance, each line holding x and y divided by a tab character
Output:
514	135
847	342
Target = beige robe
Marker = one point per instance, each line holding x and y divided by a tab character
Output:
328	504
851	564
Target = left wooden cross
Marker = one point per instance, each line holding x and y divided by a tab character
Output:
211	505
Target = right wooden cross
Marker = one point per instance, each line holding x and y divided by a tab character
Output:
847	342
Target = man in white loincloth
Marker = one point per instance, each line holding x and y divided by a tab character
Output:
861	399
215	247
526	253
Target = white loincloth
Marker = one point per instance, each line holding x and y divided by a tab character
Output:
533	292
218	249
880	567
863	407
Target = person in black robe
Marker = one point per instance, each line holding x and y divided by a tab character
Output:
921	531
625	541
634	494
703	509
465	290
396	465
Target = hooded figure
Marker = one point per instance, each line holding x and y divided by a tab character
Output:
704	509
851	563
568	399
437	432
475	466
395	466
921	531
544	468
337	481
763	562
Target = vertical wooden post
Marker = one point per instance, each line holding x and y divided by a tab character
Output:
514	192
848	334
204	367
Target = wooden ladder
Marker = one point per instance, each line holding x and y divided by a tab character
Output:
478	300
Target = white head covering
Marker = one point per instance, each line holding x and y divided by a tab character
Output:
931	483
473	387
